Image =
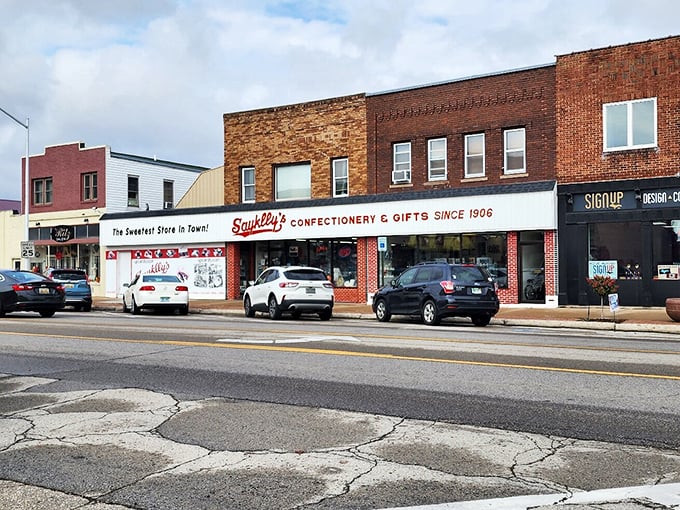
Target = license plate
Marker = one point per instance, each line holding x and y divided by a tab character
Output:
164	299
311	290
476	290
43	290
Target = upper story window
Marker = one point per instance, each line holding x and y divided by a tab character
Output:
629	124
340	177
89	187
474	155
293	182
42	191
401	169
436	159
168	194
248	184
133	191
514	141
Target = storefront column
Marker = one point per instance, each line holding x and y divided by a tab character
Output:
233	261
550	243
510	295
371	267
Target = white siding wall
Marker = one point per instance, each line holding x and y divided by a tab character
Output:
151	177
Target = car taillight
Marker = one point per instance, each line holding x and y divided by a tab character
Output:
328	285
61	288
448	286
182	288
21	286
149	288
288	285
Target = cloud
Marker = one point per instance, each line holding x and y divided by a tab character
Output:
155	77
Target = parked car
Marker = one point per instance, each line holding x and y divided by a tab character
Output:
26	291
294	289
77	286
437	290
156	292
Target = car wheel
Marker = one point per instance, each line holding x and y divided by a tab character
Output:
481	320
184	310
2	310
126	308
248	307
77	308
274	310
296	315
381	311
47	313
87	308
429	313
325	315
133	307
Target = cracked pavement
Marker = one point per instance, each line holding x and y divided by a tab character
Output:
137	449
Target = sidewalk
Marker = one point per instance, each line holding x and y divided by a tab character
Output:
652	319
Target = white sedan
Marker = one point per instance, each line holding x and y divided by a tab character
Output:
156	291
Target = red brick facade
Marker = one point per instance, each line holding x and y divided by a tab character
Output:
66	164
588	80
488	105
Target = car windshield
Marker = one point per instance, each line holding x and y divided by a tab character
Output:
305	274
70	276
160	278
467	275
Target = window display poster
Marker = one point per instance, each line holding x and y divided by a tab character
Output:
603	268
201	269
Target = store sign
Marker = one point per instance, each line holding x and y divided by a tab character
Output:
603	268
476	213
604	201
655	199
61	233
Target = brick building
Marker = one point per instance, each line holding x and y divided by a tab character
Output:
618	162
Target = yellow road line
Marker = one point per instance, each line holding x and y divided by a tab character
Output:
337	352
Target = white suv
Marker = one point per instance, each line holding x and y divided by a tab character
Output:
292	289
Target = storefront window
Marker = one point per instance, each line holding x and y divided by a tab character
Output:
337	258
487	250
619	242
666	249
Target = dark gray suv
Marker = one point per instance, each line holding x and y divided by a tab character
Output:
434	290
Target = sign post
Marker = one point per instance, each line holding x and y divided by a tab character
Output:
27	249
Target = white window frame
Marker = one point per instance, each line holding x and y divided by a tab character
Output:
507	151
607	114
436	160
401	163
247	186
469	156
340	177
285	175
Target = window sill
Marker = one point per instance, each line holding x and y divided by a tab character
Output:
482	178
402	185
514	176
436	183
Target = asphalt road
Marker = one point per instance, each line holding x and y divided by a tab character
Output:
355	414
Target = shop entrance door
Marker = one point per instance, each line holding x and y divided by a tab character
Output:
532	267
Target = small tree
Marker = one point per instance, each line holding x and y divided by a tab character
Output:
603	286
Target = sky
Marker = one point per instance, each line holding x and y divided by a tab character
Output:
154	77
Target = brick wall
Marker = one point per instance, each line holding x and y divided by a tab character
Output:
488	104
314	132
589	79
65	164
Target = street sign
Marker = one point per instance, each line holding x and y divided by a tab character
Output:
382	243
27	249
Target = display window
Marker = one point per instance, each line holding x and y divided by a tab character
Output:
612	242
488	250
337	258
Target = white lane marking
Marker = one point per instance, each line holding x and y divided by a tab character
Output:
663	494
299	340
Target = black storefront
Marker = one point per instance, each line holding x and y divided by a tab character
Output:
628	229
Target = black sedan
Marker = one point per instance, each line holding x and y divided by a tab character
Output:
26	291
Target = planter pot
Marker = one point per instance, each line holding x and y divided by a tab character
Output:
673	308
